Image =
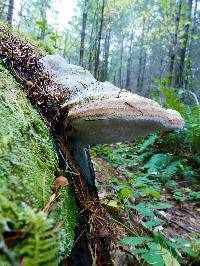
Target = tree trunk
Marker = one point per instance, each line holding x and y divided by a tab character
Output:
190	48
84	22
174	43
43	13
129	61
96	68
143	73
10	11
106	55
179	82
93	43
141	58
121	62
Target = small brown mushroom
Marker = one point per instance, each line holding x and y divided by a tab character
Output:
61	181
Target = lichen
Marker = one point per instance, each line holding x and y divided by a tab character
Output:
28	160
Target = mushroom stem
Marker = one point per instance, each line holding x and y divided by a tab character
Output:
81	155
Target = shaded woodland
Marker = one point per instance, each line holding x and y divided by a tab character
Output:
148	189
139	43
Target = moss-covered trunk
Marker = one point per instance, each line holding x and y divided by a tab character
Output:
27	171
24	62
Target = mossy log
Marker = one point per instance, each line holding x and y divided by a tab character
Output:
28	162
91	234
77	112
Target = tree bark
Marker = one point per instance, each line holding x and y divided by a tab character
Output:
10	12
129	61
84	22
190	48
179	82
141	57
143	74
106	55
96	68
93	43
121	61
174	43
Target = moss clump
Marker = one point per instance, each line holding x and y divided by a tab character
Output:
28	160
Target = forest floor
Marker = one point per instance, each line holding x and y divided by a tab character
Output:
179	218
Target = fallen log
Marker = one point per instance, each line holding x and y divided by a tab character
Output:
78	111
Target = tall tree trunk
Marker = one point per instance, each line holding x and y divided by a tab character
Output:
143	73
179	82
190	48
10	11
84	22
173	47
96	68
43	13
129	63
106	55
141	57
92	43
121	61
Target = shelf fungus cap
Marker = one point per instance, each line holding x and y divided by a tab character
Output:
99	112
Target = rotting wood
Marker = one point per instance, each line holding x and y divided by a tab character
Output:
92	232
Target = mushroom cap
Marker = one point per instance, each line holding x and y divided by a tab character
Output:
119	119
61	181
99	112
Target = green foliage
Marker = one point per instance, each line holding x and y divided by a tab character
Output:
186	194
192	129
36	237
158	162
190	135
158	250
27	159
42	25
27	171
134	241
149	141
168	95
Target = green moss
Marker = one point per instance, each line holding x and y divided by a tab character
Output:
41	47
66	216
28	160
35	234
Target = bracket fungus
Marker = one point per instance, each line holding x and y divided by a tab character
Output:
99	112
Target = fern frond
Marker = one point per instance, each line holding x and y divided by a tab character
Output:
39	246
172	168
149	141
158	162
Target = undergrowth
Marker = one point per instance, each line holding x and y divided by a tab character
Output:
26	236
159	166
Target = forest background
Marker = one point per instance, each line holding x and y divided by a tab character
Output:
150	47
